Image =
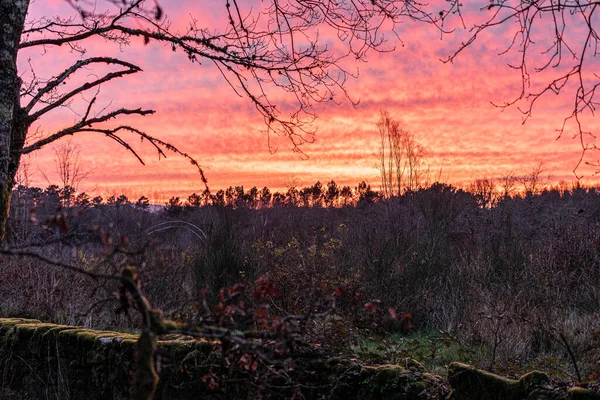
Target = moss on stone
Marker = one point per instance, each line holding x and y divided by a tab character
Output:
8	322
470	383
83	363
391	381
58	352
395	382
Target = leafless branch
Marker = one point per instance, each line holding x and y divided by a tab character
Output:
55	263
81	126
556	39
60	79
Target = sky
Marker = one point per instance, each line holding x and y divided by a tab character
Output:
447	106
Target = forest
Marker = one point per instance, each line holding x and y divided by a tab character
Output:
506	282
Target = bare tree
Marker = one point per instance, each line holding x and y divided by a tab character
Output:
507	185
390	155
24	173
67	165
554	47
273	45
401	159
536	180
484	190
417	169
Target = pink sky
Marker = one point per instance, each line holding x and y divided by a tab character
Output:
446	106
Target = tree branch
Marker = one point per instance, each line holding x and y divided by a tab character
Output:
81	125
542	54
284	51
54	83
54	263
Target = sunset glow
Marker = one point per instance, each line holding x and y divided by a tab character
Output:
447	107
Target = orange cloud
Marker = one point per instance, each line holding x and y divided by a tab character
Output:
446	106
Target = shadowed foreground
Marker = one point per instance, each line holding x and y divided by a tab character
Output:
41	360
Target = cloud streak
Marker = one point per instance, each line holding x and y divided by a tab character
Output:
446	106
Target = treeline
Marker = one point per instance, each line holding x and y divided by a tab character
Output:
486	192
317	195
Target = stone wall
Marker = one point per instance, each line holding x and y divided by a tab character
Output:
40	360
47	361
469	383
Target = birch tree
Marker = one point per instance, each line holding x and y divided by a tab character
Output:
401	158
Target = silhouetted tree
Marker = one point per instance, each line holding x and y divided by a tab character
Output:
142	203
292	196
82	200
66	193
279	199
535	180
265	197
207	197
122	200
97	201
317	195
365	193
332	194
193	201
52	197
220	199
252	197
304	197
346	195
231	196
174	206
484	190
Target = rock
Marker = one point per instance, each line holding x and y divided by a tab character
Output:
470	383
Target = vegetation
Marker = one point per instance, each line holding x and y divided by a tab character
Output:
512	281
509	285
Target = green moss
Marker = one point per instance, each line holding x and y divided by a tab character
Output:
474	384
353	380
78	337
9	322
25	331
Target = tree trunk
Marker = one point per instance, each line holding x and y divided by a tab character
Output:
13	122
